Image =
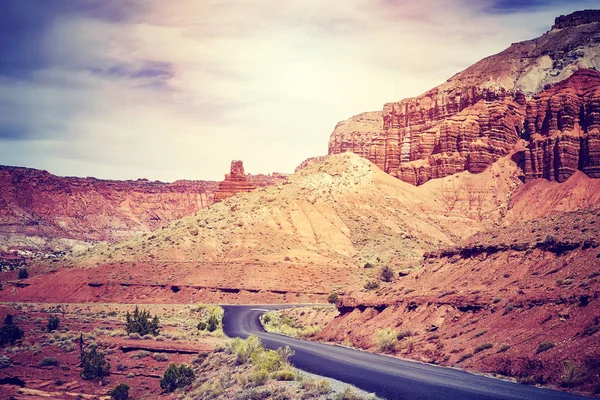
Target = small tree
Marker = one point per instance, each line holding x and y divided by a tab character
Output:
53	322
94	364
386	274
141	324
176	377
120	392
23	274
10	332
333	298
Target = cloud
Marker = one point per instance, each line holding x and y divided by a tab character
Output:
170	90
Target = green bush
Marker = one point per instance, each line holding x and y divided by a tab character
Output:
386	274
94	364
176	377
23	274
120	392
386	339
141	323
333	298
544	346
10	332
53	322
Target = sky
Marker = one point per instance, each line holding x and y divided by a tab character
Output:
167	90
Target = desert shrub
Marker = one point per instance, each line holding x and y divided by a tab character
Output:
464	357
48	361
141	323
202	326
404	334
480	333
316	388
503	348
371	285
368	265
386	339
140	354
23	274
333	298
160	357
213	323
244	349
573	374
386	274
348	394
10	332
544	346
120	392
483	347
53	322
259	377
94	364
176	377
508	308
284	375
5	362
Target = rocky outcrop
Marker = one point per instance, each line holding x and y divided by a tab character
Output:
475	117
576	18
563	129
235	181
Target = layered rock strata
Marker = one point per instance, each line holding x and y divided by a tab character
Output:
478	115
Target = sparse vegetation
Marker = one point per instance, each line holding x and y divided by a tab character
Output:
573	374
176	377
386	273
333	298
371	285
48	361
10	332
503	348
53	323
23	273
94	364
464	357
483	347
120	392
280	322
386	339
211	318
141	323
544	346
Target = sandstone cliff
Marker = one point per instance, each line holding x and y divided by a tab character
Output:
476	116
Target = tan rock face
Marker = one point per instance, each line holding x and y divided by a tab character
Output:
235	182
563	127
478	115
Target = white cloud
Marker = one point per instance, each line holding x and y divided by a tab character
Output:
184	87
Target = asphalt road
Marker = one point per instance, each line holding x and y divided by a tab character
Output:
388	377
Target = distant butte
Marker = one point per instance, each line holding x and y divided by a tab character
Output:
235	181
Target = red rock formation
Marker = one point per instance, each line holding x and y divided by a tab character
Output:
563	126
37	203
478	115
235	181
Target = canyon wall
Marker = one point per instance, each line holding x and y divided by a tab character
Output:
479	114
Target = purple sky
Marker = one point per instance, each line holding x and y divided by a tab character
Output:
177	89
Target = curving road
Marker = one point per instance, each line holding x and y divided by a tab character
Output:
388	377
